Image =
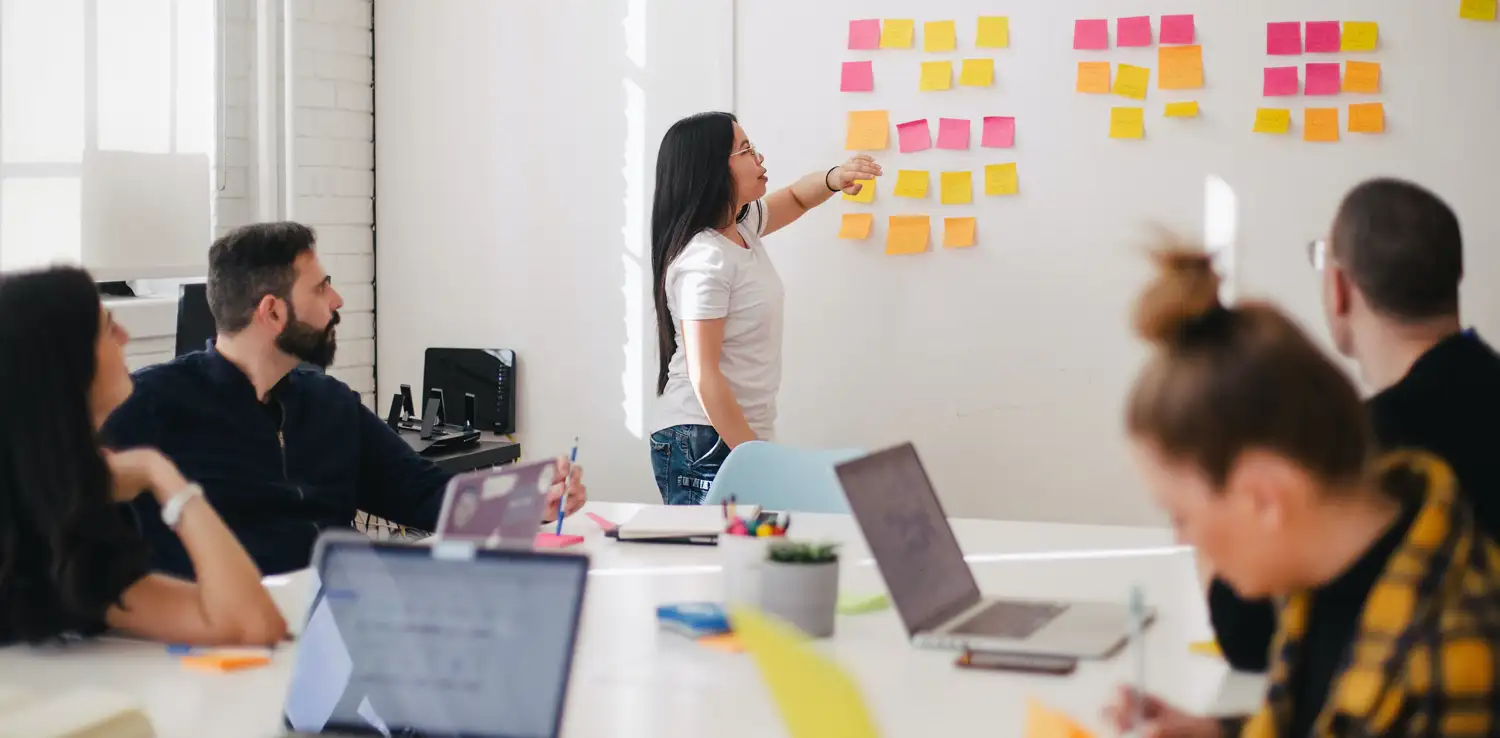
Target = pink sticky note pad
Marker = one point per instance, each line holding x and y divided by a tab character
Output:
1281	81
604	525
1177	29
914	136
859	76
953	133
999	132
1284	38
864	34
1091	34
1133	31
1322	79
1322	37
553	540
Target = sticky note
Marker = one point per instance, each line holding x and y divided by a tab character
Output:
852	604
953	133
1323	37
859	76
1133	31
957	188
993	33
1127	123
911	183
958	233
897	34
914	136
226	660
1323	79
1091	34
1480	10
936	75
977	73
869	130
1281	38
1280	81
1045	722
1001	179
1361	36
1181	67
815	696
1131	81
1206	648
1177	29
939	36
1320	124
599	520
553	540
907	234
1361	76
856	226
866	192
1367	118
999	132
724	642
1093	77
1182	109
864	34
1273	120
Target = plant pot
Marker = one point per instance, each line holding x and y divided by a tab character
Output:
804	595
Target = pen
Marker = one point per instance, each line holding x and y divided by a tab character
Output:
562	504
1137	636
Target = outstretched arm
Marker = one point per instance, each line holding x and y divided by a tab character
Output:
788	204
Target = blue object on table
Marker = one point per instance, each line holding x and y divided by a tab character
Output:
563	503
778	477
694	619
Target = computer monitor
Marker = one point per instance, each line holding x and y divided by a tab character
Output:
195	324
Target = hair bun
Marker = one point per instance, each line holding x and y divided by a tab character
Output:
1186	289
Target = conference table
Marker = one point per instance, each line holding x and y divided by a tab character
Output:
632	679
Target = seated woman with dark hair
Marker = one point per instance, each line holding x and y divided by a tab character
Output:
71	559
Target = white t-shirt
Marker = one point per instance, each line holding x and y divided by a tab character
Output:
713	278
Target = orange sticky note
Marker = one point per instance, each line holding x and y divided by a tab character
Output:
1273	120
1361	76
936	75
958	233
957	188
1181	67
1367	118
1045	722
226	660
856	226
1001	179
1320	124
907	234
1132	81
723	642
869	130
1093	77
897	33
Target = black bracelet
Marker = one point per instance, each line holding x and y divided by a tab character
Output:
830	187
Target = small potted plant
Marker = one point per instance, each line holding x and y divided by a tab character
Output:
800	584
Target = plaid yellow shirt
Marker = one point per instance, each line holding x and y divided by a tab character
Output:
1424	660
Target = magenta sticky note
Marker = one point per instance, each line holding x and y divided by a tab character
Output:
1133	31
1284	38
914	136
1323	37
1177	29
553	540
1281	81
864	34
858	77
999	132
1091	34
1322	79
953	133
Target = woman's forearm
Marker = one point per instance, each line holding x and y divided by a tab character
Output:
724	411
811	190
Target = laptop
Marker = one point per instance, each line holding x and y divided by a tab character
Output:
451	639
931	585
496	506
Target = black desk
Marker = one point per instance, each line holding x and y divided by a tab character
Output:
491	451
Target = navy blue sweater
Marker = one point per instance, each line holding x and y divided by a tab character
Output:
278	472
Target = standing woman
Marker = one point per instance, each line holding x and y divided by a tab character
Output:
718	298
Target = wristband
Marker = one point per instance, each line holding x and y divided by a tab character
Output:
830	187
171	513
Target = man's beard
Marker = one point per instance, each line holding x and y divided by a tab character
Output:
307	342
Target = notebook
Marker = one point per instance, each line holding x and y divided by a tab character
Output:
683	523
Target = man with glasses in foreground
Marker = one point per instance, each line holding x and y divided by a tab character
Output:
1391	269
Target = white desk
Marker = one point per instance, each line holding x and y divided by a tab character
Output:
631	680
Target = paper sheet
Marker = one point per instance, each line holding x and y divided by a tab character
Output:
1283	38
1361	36
1273	120
1091	34
999	132
1323	37
866	192
993	32
1177	29
1093	77
1280	81
953	133
1367	118
957	188
907	234
856	226
1320	124
864	34
977	73
858	76
1181	67
914	135
939	36
897	33
1182	109
1127	123
815	696
1133	31
936	75
869	130
911	183
1131	81
1001	179
1361	77
958	233
1323	79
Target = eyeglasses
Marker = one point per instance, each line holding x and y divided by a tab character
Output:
748	148
1317	253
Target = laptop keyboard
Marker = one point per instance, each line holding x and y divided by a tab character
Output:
1010	620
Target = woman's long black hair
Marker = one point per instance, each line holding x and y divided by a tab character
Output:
66	551
694	191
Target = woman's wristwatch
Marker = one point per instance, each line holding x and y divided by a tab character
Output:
171	512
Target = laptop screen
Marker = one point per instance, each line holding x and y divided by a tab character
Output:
905	527
403	641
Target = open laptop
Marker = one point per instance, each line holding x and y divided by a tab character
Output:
496	506
445	640
931	585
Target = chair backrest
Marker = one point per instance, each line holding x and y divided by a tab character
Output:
781	478
195	324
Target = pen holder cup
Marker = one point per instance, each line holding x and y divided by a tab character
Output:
803	594
744	560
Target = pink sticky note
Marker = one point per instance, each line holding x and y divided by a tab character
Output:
953	133
999	132
914	135
1284	38
1133	31
553	540
864	34
1322	79
1177	29
1281	81
603	523
1091	34
858	77
1322	37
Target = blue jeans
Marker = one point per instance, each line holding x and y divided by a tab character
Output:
686	458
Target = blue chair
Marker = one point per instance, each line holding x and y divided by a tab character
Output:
782	478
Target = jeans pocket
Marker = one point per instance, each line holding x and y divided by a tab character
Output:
661	464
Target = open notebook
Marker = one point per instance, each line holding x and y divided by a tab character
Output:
681	523
78	713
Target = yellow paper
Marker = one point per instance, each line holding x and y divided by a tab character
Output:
1481	10
816	697
1367	118
977	73
939	36
911	183
994	32
1127	122
1045	722
866	191
1360	35
1273	120
1361	76
1093	77
937	75
1131	81
1181	67
1181	110
897	34
957	188
1320	124
1001	179
907	234
1206	648
856	226
958	233
869	130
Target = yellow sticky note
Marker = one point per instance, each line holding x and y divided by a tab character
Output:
1361	35
1367	118
1181	110
897	34
869	130
1320	124
1127	122
1273	120
1131	81
1206	648
1093	77
994	32
977	73
1361	76
939	36
1001	179
1045	722
815	696
957	188
907	234
1480	10
937	75
866	191
1181	67
856	226
911	183
958	233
